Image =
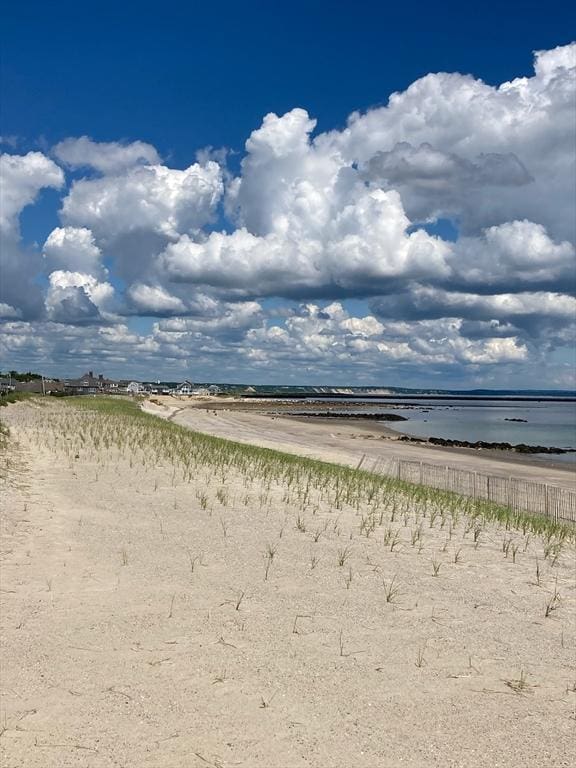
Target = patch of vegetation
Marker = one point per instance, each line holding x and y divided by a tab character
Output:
124	423
28	376
14	397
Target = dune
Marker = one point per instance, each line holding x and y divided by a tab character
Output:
170	599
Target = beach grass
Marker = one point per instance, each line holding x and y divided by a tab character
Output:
122	422
179	576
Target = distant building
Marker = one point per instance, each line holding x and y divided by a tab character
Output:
88	384
135	388
7	385
185	388
40	386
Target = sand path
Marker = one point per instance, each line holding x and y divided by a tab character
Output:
348	443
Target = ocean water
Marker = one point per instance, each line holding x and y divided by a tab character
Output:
551	424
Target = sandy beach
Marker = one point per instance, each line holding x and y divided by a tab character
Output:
169	603
347	442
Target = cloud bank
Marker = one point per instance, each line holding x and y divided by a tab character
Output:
323	258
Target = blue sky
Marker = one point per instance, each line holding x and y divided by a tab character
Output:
186	75
182	77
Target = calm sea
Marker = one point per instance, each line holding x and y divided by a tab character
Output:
552	423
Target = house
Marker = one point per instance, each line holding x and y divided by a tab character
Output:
135	388
88	384
40	386
186	388
85	385
208	391
6	385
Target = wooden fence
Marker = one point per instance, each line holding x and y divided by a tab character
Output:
521	495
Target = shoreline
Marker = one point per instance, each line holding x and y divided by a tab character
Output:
518	448
379	425
347	442
393	434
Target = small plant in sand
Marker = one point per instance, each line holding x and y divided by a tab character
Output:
391	589
415	535
538	574
343	555
265	703
171	611
436	565
554	603
295	630
269	557
420	659
193	560
477	532
348	579
222	496
300	524
394	541
341	644
520	684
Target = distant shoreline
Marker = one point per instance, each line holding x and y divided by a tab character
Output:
394	398
347	439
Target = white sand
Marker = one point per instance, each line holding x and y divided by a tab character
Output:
348	443
122	645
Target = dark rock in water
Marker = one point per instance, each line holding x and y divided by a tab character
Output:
523	421
519	448
370	416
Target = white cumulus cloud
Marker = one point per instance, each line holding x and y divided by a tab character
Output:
75	298
74	249
153	198
21	179
106	157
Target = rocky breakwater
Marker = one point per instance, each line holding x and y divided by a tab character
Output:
518	448
335	415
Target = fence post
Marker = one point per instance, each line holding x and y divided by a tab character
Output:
420	473
546	500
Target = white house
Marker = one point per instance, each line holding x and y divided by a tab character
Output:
186	388
135	388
